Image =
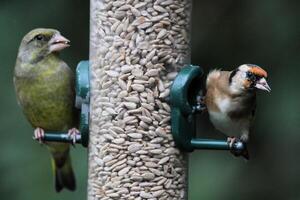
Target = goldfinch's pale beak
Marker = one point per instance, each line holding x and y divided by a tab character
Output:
58	43
263	85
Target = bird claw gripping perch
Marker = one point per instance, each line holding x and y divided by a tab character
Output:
82	103
185	99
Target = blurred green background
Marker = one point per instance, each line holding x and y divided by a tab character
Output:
25	168
225	34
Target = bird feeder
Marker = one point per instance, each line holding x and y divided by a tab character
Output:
136	50
82	103
184	100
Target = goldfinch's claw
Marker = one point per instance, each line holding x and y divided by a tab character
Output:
39	134
200	105
72	133
233	142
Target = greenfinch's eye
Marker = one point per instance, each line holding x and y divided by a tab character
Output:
39	37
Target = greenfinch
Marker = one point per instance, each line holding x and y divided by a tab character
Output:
44	86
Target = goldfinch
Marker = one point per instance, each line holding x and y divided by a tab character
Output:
231	100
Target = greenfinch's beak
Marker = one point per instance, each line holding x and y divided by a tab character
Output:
58	43
263	85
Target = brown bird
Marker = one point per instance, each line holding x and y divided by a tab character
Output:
231	100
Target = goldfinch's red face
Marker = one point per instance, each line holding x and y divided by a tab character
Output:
255	77
249	77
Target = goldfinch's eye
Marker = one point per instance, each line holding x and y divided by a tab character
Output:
39	37
250	76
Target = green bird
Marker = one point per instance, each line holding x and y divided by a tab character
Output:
44	87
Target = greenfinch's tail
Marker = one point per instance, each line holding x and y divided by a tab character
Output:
64	176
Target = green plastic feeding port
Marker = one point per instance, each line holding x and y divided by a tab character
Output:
185	101
82	102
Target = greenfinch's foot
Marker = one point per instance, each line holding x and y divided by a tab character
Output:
39	134
73	133
231	141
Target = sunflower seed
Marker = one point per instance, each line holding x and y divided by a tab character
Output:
130	105
135	135
138	87
152	72
163	160
146	195
134	147
159	8
124	171
158	193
